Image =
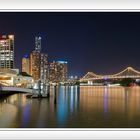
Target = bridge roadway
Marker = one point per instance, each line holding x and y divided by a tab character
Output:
109	77
129	72
16	89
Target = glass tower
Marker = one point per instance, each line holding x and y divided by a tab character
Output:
7	51
25	64
38	44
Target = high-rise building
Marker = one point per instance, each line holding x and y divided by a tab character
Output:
35	59
53	72
26	64
62	71
35	65
44	68
7	51
58	71
38	44
39	68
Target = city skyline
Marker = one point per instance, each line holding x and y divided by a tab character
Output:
99	42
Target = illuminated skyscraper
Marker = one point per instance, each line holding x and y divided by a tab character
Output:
7	51
35	65
39	63
26	64
38	44
62	71
53	72
35	60
58	71
44	68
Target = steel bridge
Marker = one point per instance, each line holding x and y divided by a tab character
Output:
129	72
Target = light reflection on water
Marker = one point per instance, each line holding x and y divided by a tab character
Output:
74	107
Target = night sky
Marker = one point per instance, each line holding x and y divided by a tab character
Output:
100	42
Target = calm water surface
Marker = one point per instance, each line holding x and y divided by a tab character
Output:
74	107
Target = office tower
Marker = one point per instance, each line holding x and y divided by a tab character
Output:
44	68
38	44
53	72
7	51
62	71
35	60
58	71
35	65
39	68
26	64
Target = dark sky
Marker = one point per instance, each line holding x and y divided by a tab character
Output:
100	42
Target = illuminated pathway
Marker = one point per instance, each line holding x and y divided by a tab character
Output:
16	89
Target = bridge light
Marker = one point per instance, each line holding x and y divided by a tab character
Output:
105	77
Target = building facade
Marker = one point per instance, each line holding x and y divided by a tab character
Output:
62	70
35	58
44	68
7	51
58	71
53	72
7	76
24	81
26	64
39	68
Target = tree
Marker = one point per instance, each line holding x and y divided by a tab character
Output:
127	81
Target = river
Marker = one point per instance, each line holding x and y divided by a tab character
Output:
74	107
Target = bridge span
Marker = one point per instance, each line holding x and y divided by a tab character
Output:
129	72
